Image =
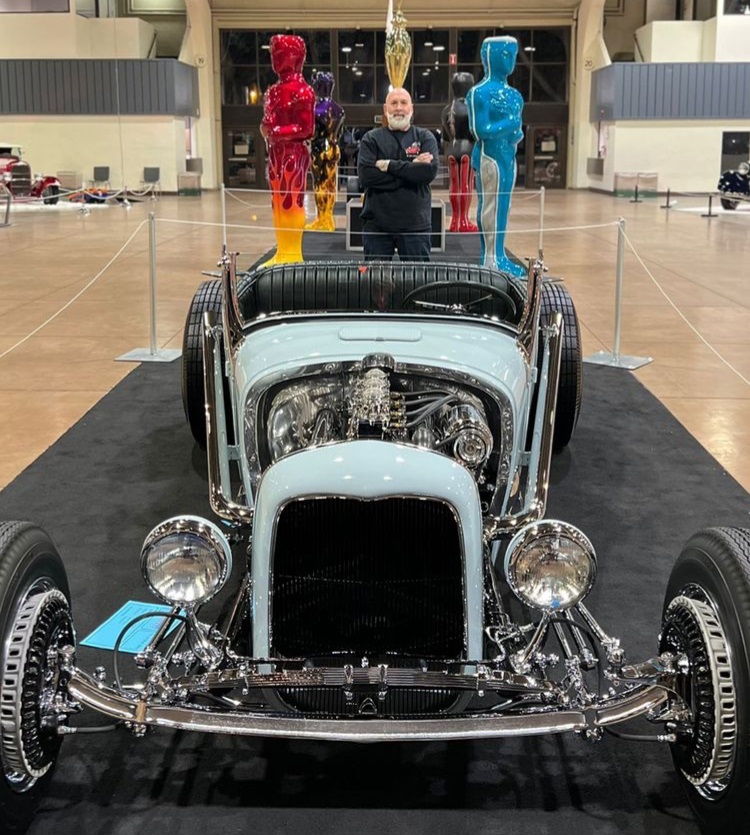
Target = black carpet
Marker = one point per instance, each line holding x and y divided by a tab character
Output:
633	480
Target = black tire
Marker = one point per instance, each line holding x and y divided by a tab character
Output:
713	571
29	564
555	298
729	205
51	195
208	297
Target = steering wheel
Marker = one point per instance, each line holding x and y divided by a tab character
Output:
490	289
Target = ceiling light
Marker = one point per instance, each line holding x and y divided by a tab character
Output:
438	48
359	45
265	46
529	49
428	43
346	49
426	72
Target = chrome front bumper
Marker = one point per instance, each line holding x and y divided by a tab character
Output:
141	713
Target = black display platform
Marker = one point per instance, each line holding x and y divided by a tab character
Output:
633	480
461	247
317	246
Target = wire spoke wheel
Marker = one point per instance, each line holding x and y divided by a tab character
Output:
35	624
706	620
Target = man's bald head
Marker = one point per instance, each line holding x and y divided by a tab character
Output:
398	109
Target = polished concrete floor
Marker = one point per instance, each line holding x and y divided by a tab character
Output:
74	295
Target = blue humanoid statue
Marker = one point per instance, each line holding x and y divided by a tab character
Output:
495	120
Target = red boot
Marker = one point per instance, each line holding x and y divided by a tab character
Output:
454	195
467	187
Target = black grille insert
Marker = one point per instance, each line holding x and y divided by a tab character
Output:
408	701
367	578
20	179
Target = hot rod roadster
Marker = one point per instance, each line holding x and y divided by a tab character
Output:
378	439
16	176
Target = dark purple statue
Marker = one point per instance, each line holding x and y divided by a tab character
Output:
325	151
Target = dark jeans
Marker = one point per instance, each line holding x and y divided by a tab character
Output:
380	246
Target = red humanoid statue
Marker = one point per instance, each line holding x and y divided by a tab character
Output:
288	123
458	147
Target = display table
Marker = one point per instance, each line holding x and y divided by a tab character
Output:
354	225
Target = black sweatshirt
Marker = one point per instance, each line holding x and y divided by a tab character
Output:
397	200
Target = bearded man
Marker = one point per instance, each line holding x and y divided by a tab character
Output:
397	163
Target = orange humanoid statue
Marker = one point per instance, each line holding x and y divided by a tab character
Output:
288	123
329	120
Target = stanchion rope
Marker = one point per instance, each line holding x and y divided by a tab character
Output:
259	228
78	294
682	315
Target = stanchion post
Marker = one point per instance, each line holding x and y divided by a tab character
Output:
605	357
224	215
152	278
636	198
619	270
541	223
709	213
152	354
667	201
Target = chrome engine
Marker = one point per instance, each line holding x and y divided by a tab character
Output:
377	402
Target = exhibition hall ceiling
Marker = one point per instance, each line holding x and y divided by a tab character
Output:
418	12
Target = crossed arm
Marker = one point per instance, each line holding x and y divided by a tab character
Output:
388	175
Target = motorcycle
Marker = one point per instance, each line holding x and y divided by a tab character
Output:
735	185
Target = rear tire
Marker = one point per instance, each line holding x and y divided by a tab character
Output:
707	616
569	391
51	195
729	205
30	570
206	299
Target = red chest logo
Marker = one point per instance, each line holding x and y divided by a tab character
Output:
414	149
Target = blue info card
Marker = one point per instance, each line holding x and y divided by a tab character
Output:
138	636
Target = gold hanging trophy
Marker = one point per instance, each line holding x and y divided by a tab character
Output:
397	49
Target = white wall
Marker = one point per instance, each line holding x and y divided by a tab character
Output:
686	155
726	38
77	143
709	40
113	37
73	36
733	38
674	41
590	55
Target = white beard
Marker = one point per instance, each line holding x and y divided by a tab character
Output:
398	122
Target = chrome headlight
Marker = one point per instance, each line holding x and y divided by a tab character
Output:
550	565
186	560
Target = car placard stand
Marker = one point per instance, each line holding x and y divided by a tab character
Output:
614	358
152	353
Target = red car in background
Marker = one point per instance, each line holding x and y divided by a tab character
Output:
16	176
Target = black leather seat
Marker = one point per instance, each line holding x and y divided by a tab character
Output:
352	286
